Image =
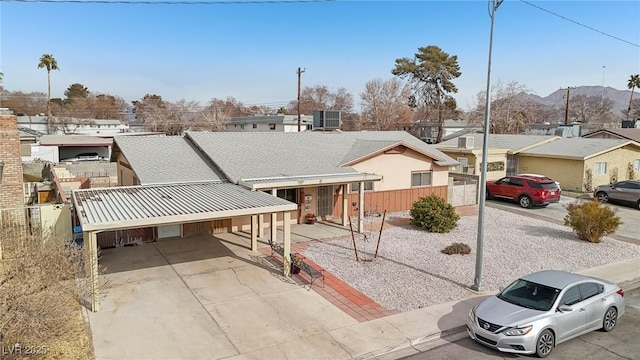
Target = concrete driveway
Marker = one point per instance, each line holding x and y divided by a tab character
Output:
208	298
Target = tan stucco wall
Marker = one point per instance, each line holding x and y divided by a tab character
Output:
617	162
55	220
396	169
569	173
126	176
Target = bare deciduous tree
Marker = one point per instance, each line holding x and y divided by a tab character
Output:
385	105
41	283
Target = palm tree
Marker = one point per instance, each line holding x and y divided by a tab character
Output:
634	82
49	62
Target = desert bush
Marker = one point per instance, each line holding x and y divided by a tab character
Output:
42	283
457	248
434	214
591	220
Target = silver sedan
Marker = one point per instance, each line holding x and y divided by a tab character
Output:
627	191
541	310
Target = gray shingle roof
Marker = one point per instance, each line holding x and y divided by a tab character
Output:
165	159
511	142
575	148
628	133
249	155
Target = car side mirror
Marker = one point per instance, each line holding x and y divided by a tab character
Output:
565	308
500	288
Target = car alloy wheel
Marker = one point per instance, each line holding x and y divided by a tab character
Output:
544	345
610	319
602	197
525	201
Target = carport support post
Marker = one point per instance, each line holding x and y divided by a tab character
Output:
286	261
90	245
345	206
254	232
261	225
361	207
274	220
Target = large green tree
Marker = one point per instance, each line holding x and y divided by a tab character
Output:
431	72
49	62
634	82
76	91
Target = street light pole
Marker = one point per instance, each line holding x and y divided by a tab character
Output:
477	281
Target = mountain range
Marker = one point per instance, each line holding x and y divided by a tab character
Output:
620	98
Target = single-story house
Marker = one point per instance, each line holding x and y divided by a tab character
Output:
502	152
628	133
265	123
578	163
206	182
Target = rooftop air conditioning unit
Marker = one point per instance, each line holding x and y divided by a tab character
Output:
465	142
327	120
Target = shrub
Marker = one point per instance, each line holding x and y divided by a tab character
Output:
457	248
591	220
434	214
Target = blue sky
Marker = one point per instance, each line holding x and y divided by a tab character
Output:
252	51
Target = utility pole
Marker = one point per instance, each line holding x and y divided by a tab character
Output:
566	110
299	72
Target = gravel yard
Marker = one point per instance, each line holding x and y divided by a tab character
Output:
410	272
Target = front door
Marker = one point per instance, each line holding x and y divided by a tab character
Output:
325	202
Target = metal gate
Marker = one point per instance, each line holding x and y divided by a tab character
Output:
325	201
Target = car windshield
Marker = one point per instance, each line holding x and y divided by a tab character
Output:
529	295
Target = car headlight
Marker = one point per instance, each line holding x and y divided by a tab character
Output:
472	314
518	331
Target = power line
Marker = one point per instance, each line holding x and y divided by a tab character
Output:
580	24
136	2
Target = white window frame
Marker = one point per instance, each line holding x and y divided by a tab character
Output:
422	183
600	168
636	165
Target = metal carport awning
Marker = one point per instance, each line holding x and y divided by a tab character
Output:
118	208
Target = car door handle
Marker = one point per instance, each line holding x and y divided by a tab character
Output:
581	309
603	299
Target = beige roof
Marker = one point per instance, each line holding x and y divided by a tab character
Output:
628	133
579	148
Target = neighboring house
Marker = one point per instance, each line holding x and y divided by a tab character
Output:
57	148
76	126
427	131
559	129
578	163
270	123
625	133
502	152
583	163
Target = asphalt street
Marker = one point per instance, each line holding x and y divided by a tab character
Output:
620	344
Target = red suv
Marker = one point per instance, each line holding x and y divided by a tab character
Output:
527	190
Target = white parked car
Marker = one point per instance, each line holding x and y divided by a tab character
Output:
89	156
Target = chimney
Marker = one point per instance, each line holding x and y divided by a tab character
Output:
11	186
